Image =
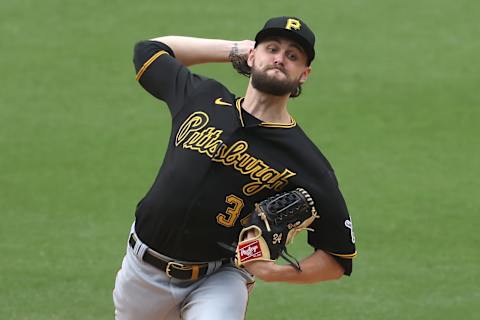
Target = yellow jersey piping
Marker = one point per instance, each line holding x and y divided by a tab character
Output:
148	63
238	105
292	123
345	256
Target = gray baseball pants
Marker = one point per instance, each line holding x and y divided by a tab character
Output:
143	292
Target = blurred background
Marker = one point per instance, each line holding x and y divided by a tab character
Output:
392	101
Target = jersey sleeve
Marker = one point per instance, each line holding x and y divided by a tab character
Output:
163	76
333	231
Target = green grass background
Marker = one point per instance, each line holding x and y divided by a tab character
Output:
392	101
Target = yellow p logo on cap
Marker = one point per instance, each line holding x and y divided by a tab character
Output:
293	24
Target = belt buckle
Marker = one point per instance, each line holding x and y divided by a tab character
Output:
179	266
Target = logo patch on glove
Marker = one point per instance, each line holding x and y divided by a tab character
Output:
249	250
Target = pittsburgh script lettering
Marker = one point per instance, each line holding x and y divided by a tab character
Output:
195	135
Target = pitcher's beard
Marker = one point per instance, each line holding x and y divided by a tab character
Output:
271	85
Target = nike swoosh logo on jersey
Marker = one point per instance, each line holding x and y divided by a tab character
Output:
220	102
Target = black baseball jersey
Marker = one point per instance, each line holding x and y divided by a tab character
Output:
220	161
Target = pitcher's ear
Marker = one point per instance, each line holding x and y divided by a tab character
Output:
305	74
251	57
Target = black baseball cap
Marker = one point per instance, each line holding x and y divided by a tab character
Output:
292	28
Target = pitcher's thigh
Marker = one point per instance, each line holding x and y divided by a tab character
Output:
137	299
222	296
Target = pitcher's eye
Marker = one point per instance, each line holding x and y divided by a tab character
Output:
272	49
292	56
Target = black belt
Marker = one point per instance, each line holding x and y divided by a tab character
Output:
173	269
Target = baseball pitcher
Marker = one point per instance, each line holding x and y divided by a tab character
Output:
239	180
